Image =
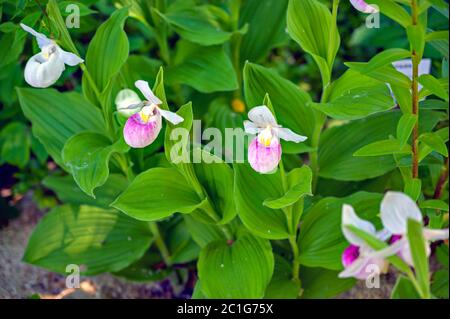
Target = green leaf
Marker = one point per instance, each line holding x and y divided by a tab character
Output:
15	144
95	239
417	244
87	155
405	128
180	244
434	204
387	57
228	271
101	64
404	289
416	37
250	191
282	286
156	194
434	86
55	117
435	142
311	25
320	283
385	147
413	188
358	103
299	181
196	25
439	286
68	191
263	34
321	242
206	69
217	180
203	233
59	24
394	11
387	74
289	101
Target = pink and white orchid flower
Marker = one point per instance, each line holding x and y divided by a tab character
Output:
357	258
144	122
45	68
396	209
264	152
362	6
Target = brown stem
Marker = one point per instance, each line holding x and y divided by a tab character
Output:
441	182
415	99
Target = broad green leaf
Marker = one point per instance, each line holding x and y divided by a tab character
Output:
413	188
55	117
180	244
358	103
156	194
202	233
299	181
58	23
432	104
228	271
434	86
101	64
196	25
394	11
320	283
263	34
68	191
206	69
321	242
15	144
439	40
417	244
311	25
95	239
289	101
405	128
404	289
87	155
217	179
384	147
282	286
143	270
425	150
387	74
250	191
434	204
440	283
416	37
387	57
435	142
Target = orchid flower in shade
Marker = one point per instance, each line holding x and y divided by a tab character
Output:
362	6
144	122
396	209
264	152
357	257
45	68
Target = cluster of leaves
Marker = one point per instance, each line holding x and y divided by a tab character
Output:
250	235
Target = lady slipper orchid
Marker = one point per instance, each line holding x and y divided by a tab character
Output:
396	209
359	256
264	152
45	68
144	122
362	6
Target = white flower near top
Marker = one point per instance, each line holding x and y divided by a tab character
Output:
359	258
264	152
396	209
44	69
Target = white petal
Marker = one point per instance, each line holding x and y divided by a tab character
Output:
435	234
287	135
349	217
128	102
396	209
69	58
383	234
41	73
42	40
354	269
147	92
262	116
172	117
251	128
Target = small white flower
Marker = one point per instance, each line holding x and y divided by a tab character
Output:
45	68
396	209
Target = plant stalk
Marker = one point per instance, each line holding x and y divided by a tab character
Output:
415	98
160	244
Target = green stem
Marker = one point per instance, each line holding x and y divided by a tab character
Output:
160	244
